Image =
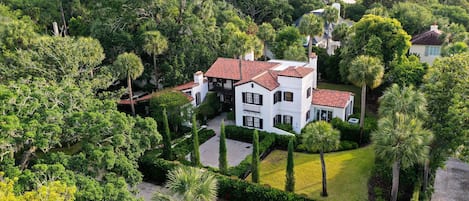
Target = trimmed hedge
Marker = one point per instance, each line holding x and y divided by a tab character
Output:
155	170
245	135
185	147
351	132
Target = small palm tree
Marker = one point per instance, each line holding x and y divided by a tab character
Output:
401	141
365	71
129	65
155	44
311	25
405	100
239	44
331	15
320	136
267	34
192	184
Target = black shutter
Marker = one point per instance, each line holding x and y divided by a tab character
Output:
260	123
244	97
260	99
244	120
274	122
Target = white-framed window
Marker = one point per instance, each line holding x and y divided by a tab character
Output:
254	122
252	98
277	96
287	119
288	96
432	50
277	119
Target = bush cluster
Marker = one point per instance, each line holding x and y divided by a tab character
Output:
351	132
155	170
285	127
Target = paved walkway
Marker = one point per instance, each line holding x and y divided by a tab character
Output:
236	150
452	182
146	190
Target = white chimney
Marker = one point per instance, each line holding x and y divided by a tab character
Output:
313	60
249	56
434	27
336	6
199	77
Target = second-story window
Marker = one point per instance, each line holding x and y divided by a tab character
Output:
252	98
308	92
288	96
277	97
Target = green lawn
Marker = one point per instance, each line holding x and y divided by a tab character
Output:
347	173
342	87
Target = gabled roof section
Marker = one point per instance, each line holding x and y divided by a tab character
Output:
298	72
185	86
268	80
431	37
229	68
331	98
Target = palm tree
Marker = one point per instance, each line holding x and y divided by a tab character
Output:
401	141
239	44
192	184
330	15
405	100
320	136
129	65
266	33
311	25
365	71
155	44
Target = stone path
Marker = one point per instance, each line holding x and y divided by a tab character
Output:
146	190
452	182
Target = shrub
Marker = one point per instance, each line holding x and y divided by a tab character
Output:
285	127
351	132
347	145
185	147
210	107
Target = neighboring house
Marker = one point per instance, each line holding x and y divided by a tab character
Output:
265	94
196	89
427	45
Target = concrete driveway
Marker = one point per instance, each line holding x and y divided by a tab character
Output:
452	182
236	150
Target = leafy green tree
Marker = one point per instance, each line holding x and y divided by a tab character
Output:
365	71
445	87
413	16
311	25
340	32
266	33
192	184
295	53
290	172
305	6
255	157
195	155
155	44
330	16
455	48
222	160
320	136
176	104
395	42
129	65
286	37
407	71
239	44
401	141
167	150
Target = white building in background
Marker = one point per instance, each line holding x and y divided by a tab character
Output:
427	45
264	94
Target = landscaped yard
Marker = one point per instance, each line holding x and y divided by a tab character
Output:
347	173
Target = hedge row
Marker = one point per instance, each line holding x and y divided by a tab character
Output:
245	135
155	171
185	147
351	132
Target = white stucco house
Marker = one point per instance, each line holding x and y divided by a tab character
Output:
427	45
264	94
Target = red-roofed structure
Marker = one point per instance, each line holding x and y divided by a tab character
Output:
331	98
298	72
427	45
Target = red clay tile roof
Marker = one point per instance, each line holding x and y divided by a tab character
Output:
331	98
268	80
185	86
229	68
427	38
147	97
298	72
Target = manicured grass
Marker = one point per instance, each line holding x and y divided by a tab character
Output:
342	87
347	173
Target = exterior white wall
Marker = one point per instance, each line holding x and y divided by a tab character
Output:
336	112
420	50
263	111
202	88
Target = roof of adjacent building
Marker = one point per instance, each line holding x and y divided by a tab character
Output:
331	98
229	68
185	86
431	37
149	96
298	72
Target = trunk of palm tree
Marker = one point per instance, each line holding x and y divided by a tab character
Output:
395	180
324	181
265	51
156	70
26	156
310	46
426	170
362	112
129	83
240	71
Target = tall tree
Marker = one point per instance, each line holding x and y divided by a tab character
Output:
129	65
311	25
401	141
195	155
192	184
404	100
320	136
267	34
330	15
222	162
167	150
239	44
255	157
365	71
155	44
290	172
